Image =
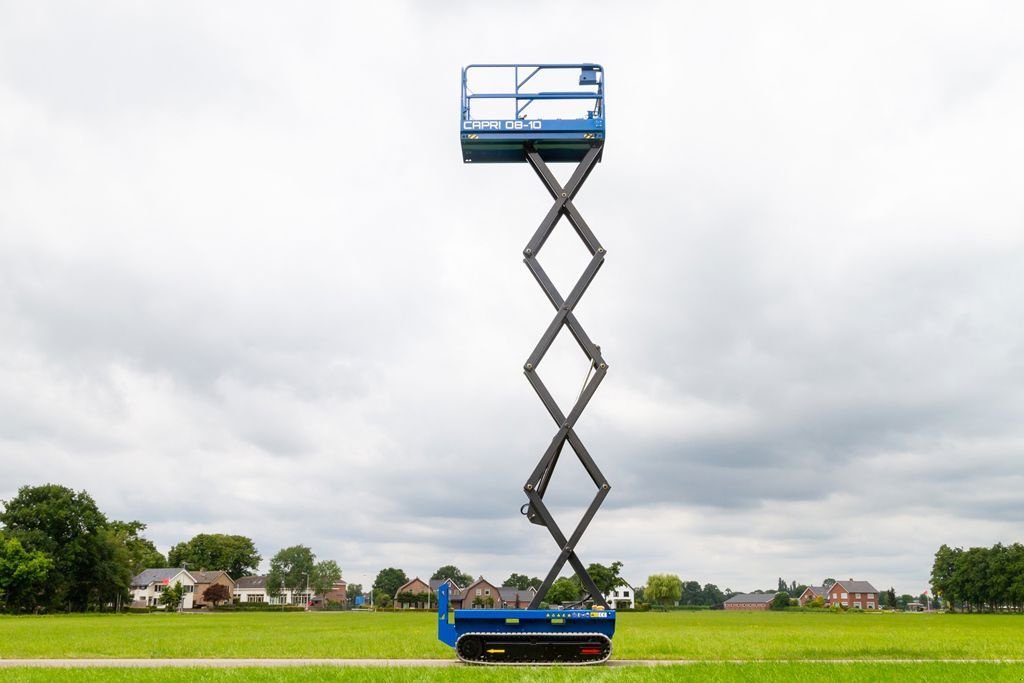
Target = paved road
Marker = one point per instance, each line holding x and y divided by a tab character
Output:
226	663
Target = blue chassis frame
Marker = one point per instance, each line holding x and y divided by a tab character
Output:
521	621
507	140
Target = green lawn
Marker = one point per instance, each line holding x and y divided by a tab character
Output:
697	672
673	635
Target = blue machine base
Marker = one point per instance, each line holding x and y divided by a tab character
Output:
452	625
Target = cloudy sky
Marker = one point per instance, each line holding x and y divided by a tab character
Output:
248	286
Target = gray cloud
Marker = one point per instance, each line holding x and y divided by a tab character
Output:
246	284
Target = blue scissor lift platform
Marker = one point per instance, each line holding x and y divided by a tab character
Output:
539	114
504	134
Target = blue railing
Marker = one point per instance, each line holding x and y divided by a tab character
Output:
591	78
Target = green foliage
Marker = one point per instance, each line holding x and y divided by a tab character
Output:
696	635
412	599
290	569
483	601
141	553
23	576
389	580
780	601
382	599
663	589
522	581
216	593
352	590
980	579
69	529
605	578
325	575
237	555
172	596
563	590
450	571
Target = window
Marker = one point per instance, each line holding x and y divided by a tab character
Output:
479	591
487	591
871	605
844	604
159	588
254	597
845	596
856	595
625	593
190	589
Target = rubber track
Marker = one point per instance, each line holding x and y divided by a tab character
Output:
534	663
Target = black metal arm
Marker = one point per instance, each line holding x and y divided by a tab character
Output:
537	484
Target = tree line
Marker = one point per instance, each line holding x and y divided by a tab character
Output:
980	579
59	552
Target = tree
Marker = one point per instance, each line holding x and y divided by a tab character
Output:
388	581
712	596
691	594
450	571
664	589
237	555
522	581
325	575
780	601
172	596
353	590
142	554
23	576
563	590
216	593
290	569
890	598
827	583
69	529
605	578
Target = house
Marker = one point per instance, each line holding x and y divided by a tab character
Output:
810	593
515	598
147	586
416	587
853	594
338	593
750	601
206	579
481	594
621	597
253	589
435	585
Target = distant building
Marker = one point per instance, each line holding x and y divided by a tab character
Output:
147	587
852	594
750	601
415	587
622	597
812	592
253	589
206	579
516	598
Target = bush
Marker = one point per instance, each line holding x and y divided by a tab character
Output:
258	607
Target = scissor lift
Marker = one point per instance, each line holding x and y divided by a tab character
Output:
534	635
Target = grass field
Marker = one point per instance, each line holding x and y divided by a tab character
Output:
713	673
707	636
